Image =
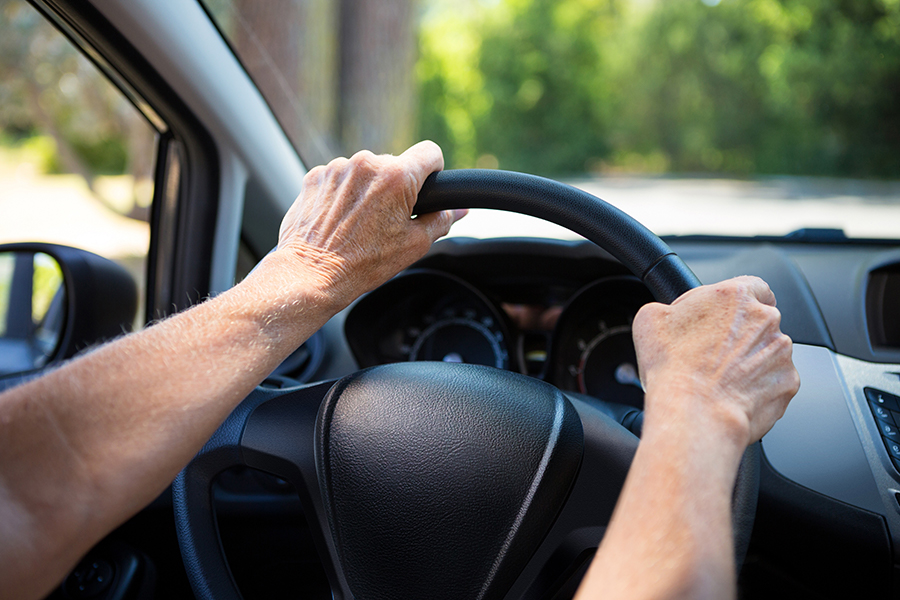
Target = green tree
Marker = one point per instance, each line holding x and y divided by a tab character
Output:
732	86
765	86
48	88
546	74
525	84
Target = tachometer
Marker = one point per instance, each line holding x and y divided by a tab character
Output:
607	362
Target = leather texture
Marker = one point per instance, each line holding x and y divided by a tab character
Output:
441	480
634	245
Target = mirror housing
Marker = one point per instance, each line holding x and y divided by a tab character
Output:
96	301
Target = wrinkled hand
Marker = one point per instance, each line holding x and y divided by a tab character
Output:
352	221
719	349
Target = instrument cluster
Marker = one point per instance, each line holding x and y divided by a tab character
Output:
578	341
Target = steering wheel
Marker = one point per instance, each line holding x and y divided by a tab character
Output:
447	481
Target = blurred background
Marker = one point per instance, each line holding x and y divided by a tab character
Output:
697	116
557	87
734	117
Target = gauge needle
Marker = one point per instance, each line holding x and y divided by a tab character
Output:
626	374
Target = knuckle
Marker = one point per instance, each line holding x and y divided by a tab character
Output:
770	315
315	174
648	314
783	344
363	159
337	164
794	379
328	173
395	176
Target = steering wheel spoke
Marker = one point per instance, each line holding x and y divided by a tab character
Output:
569	545
273	431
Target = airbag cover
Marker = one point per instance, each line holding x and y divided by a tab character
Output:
440	480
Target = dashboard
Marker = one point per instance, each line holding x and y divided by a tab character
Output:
828	518
561	311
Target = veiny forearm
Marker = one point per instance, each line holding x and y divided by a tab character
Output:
88	445
670	536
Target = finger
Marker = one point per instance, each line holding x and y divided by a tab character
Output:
686	295
759	289
437	225
423	159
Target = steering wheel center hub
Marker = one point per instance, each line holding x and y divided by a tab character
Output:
441	475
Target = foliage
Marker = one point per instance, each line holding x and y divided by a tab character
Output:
545	74
47	88
104	155
38	150
738	86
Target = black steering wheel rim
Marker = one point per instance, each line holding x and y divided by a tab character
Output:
260	444
635	246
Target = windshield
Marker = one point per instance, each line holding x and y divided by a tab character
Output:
730	117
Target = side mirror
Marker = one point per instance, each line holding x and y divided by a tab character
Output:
56	300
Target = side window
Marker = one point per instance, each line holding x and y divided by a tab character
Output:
76	157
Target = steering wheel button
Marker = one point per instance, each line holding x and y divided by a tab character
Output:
893	447
889	431
89	579
882	413
880	398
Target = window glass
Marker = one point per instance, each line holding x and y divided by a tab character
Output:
696	116
76	157
47	281
7	264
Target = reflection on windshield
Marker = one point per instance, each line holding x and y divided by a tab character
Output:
699	116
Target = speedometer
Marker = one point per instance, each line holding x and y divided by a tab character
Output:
462	340
427	315
593	352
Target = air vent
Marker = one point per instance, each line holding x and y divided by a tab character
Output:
883	307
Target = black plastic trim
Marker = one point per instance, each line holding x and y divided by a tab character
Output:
832	549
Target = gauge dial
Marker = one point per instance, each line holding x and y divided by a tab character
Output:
427	315
607	366
593	352
461	340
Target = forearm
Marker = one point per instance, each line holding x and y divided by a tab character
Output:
86	446
670	535
90	444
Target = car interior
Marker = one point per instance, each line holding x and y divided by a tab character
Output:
262	513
